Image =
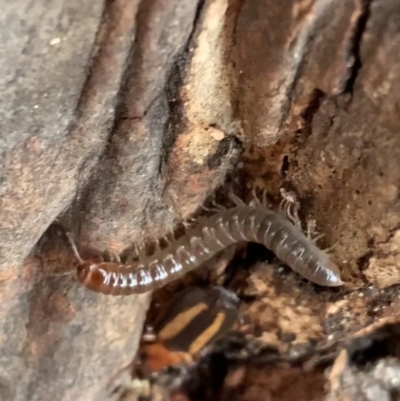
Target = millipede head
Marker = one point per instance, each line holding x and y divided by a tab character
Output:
83	272
92	275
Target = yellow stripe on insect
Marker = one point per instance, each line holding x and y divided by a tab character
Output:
207	334
176	325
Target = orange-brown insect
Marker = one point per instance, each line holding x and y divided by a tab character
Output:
195	318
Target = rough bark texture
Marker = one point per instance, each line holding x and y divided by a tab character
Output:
120	117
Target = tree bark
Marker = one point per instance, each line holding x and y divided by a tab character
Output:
120	117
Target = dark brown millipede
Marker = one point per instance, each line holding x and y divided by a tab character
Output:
204	240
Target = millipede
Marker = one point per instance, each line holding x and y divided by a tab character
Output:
254	222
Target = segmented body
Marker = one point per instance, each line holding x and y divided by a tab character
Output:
208	237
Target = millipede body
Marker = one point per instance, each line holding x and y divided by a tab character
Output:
208	237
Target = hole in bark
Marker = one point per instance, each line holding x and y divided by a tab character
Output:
362	262
384	342
285	166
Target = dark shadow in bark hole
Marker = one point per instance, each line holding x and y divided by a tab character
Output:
384	342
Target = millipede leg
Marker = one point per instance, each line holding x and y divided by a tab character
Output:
73	246
141	250
311	224
157	245
135	251
282	206
189	222
210	210
290	206
63	274
116	258
291	211
254	197
293	216
235	199
311	231
170	237
264	199
327	250
215	207
134	254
